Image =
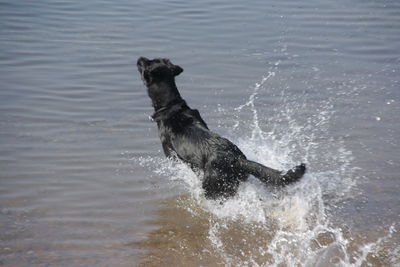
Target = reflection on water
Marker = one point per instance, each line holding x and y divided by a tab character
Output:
183	238
81	171
180	239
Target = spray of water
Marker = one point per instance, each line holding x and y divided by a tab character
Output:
292	227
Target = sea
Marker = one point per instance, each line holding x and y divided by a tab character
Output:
83	179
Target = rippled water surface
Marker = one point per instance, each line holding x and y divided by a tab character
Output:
83	181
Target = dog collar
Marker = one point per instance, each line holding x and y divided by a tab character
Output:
171	108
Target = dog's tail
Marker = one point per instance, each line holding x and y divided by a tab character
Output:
271	176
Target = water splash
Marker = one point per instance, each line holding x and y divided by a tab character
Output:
257	132
263	227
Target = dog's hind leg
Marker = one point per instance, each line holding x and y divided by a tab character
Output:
219	181
215	187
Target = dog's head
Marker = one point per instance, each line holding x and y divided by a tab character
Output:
159	77
157	70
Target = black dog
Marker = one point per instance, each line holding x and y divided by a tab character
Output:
185	135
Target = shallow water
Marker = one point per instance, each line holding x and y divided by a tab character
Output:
83	180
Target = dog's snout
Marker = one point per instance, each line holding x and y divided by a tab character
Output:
142	61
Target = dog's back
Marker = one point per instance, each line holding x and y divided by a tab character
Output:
186	134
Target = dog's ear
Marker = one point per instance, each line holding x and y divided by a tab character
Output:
177	70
